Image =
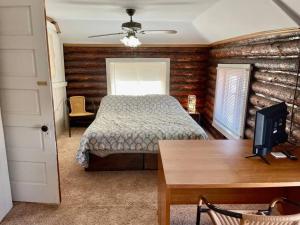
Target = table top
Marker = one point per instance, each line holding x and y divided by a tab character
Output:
222	164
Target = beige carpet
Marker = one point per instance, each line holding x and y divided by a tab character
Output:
104	198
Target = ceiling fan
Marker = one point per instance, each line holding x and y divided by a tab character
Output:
131	29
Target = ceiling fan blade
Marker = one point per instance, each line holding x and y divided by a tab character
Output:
158	32
103	35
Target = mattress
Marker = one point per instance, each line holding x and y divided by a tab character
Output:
135	124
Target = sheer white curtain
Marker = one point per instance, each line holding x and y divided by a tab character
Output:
138	78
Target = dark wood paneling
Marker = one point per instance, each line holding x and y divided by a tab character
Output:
86	70
275	65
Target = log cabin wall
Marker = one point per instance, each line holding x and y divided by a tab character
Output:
275	66
86	70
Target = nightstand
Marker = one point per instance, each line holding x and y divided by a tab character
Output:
196	116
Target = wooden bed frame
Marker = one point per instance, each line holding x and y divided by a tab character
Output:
123	161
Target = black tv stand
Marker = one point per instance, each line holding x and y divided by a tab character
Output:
261	156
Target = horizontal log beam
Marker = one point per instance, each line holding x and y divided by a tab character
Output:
289	65
211	91
188	66
249	133
260	101
208	115
289	48
211	83
188	73
252	112
85	70
85	78
101	61
210	100
278	78
93	100
278	65
140	50
282	93
196	57
265	38
86	93
84	63
212	69
212	77
87	85
251	123
186	93
184	79
183	87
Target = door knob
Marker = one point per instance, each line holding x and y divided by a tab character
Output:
44	128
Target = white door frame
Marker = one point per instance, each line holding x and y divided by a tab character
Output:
5	191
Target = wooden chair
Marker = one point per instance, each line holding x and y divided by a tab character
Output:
76	105
262	217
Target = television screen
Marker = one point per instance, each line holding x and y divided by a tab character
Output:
270	124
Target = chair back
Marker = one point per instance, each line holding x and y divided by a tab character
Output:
221	216
249	219
252	219
77	104
222	219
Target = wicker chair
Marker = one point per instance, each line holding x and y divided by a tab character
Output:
76	105
262	217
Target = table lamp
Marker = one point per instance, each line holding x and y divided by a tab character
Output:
192	103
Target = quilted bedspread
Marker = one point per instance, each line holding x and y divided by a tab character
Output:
134	124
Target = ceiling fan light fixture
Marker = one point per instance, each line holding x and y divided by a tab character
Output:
131	41
132	28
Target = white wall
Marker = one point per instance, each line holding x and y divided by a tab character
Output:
58	77
197	21
232	18
80	19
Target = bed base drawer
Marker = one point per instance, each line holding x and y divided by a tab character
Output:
134	161
150	161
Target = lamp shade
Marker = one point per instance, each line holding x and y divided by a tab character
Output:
192	103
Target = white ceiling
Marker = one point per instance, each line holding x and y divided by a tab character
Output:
197	21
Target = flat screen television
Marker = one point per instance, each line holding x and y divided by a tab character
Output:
270	124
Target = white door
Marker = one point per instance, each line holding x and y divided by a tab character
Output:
26	101
5	193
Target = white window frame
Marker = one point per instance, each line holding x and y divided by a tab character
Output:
130	60
226	131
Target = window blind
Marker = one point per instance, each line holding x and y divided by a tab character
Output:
138	78
231	98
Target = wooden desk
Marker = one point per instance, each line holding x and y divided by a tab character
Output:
218	170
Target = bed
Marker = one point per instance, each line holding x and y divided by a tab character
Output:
127	129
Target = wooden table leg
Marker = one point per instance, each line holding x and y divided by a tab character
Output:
163	197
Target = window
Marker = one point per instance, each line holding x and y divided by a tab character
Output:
138	76
231	99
